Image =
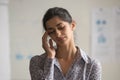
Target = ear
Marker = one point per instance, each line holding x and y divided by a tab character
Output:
73	25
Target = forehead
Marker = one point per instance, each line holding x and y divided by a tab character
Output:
54	21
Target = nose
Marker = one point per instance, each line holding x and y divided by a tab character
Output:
57	33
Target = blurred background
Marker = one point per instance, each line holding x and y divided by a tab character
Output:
97	33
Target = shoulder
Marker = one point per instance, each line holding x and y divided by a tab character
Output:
94	66
91	62
38	58
88	59
94	62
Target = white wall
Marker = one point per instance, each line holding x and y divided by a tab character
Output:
4	41
26	31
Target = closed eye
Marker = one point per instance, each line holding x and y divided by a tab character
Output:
51	32
61	27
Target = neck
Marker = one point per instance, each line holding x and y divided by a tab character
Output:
66	52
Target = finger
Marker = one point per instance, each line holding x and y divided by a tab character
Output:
51	43
44	40
45	35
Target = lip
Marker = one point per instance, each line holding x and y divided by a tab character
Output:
60	38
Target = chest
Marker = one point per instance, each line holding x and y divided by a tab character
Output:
65	65
69	71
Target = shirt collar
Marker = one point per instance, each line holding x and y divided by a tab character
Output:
82	54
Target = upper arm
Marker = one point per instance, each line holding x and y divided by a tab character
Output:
41	68
95	73
36	71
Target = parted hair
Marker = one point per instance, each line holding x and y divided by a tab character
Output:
62	13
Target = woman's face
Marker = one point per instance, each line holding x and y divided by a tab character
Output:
60	31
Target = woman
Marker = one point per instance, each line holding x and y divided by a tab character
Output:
66	61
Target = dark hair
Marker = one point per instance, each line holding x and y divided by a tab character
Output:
62	13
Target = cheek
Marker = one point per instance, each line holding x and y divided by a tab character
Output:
68	31
69	34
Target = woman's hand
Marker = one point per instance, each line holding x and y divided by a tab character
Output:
50	50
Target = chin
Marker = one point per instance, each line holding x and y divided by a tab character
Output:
62	43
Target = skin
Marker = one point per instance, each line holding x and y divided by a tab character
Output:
61	33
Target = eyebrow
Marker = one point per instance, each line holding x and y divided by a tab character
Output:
58	24
50	28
